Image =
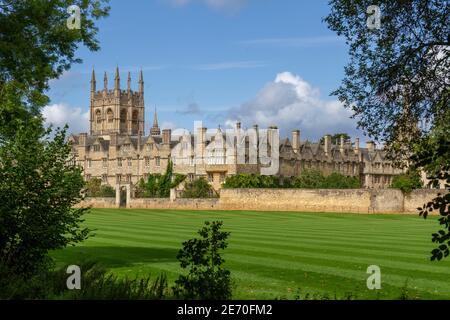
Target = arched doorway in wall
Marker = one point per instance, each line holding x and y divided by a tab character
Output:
123	197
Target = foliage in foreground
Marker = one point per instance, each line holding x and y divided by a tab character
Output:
432	154
407	181
96	283
38	189
308	179
198	188
206	278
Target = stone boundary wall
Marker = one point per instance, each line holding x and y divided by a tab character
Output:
306	200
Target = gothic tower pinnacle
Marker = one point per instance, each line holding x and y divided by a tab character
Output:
105	82
93	82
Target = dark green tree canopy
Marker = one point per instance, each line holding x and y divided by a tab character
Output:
396	74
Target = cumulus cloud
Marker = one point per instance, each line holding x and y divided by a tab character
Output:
219	5
290	103
60	114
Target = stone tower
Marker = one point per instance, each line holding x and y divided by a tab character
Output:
116	111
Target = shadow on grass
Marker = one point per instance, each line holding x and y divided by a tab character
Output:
114	257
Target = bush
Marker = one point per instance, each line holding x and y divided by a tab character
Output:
94	188
308	179
96	283
157	185
407	182
206	278
199	188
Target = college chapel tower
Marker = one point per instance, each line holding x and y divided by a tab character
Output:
116	111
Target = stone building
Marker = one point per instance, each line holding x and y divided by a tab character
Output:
118	151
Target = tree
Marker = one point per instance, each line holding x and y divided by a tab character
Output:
408	181
397	84
336	138
38	186
35	46
432	154
397	74
157	185
38	189
206	278
199	188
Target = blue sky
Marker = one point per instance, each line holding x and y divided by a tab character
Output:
259	61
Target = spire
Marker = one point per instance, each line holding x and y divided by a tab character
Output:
105	82
141	82
155	119
117	80
93	82
155	131
129	81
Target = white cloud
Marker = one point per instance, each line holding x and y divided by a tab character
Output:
60	114
290	103
230	6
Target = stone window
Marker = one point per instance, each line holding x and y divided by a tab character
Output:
110	116
105	162
119	162
147	162
158	161
98	116
130	162
89	163
118	178
210	177
96	148
126	147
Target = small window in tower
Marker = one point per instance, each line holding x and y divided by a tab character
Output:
110	116
123	116
98	116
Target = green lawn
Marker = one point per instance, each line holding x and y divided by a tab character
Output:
273	255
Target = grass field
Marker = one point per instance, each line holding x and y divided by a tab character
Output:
274	255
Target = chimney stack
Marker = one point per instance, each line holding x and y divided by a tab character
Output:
296	140
342	144
356	145
166	136
327	145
